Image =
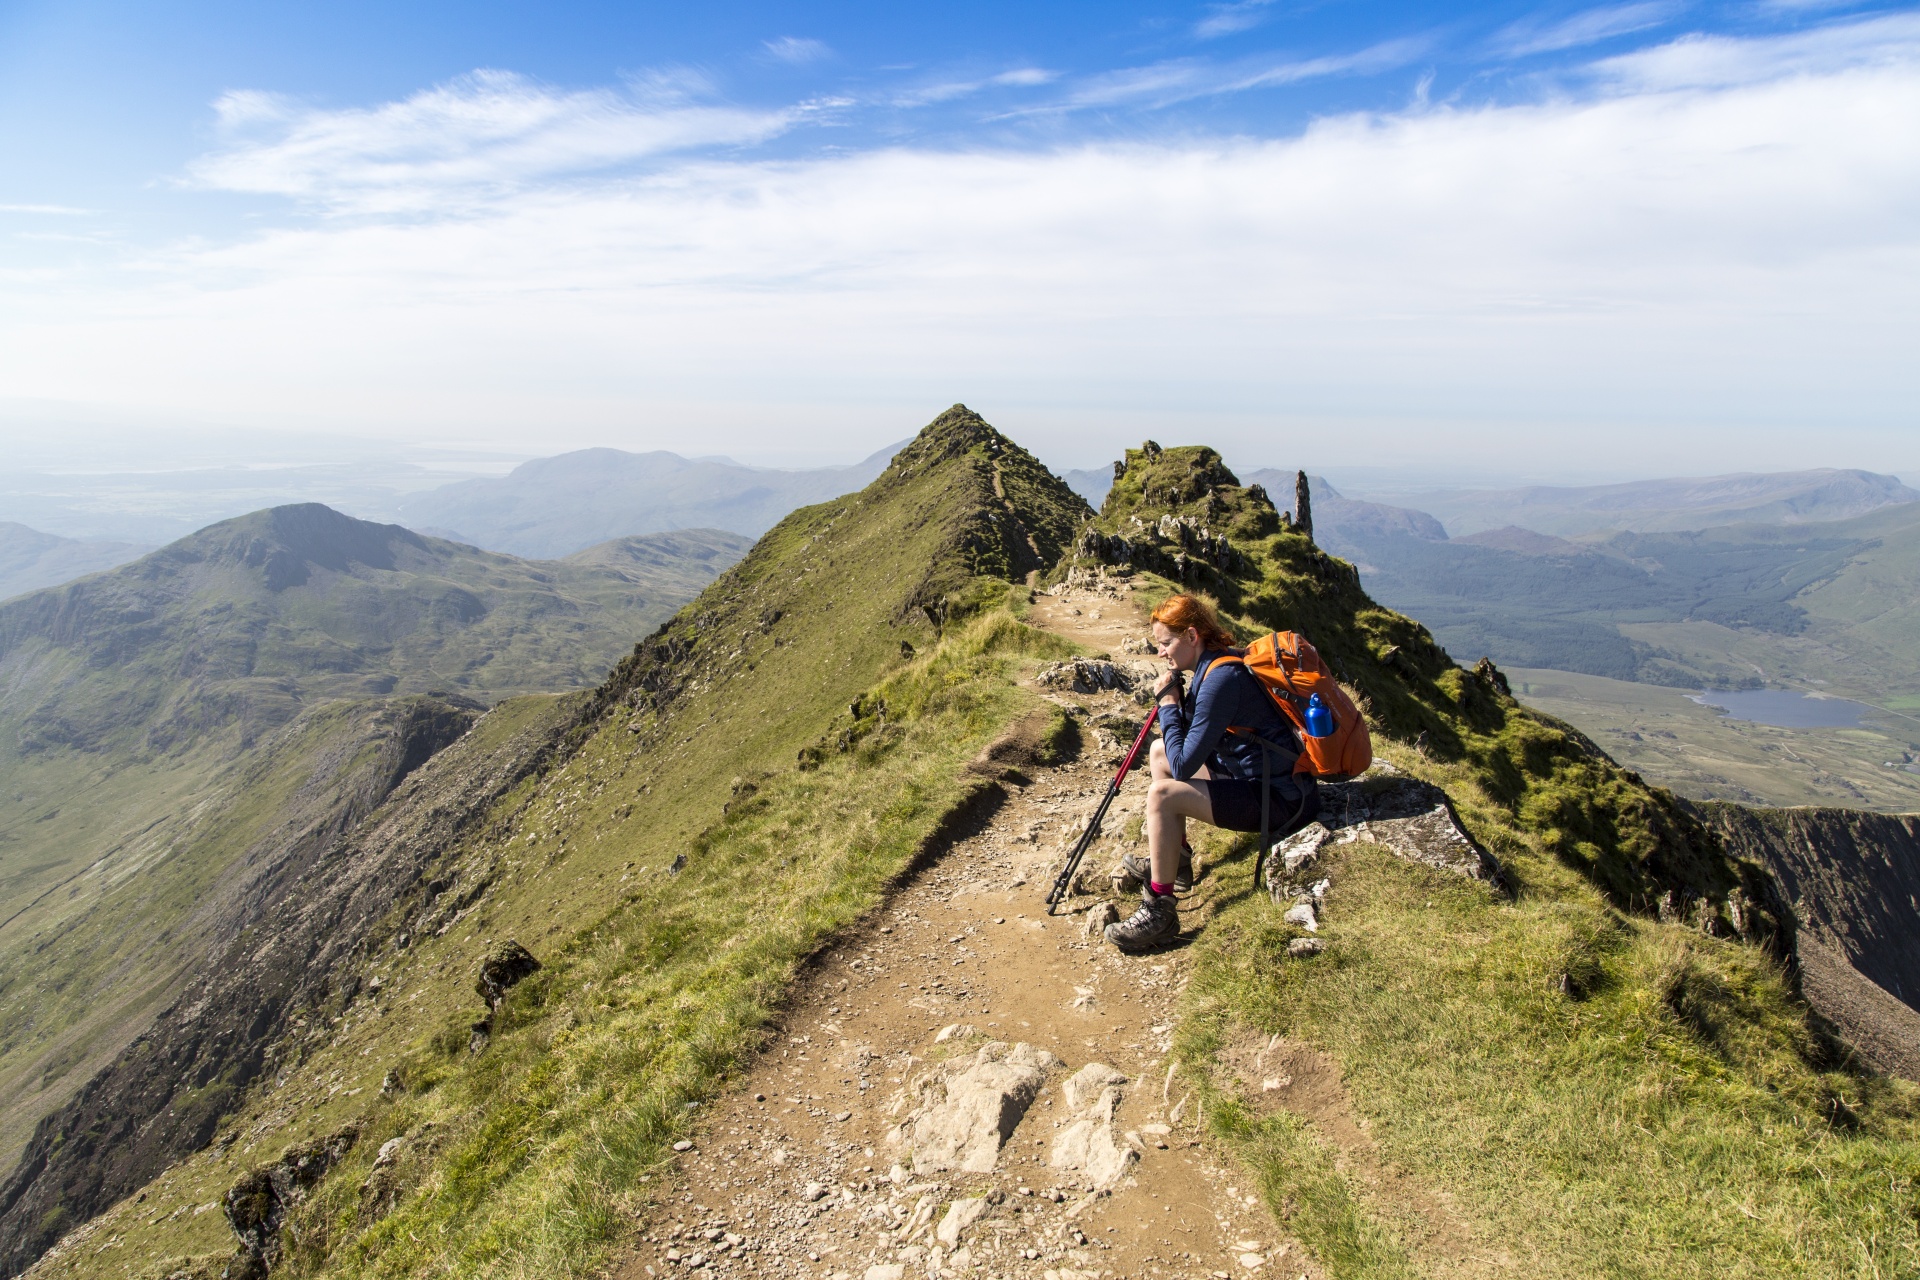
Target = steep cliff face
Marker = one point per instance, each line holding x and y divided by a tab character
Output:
266	945
1853	879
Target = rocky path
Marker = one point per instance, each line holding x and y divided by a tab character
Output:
967	1087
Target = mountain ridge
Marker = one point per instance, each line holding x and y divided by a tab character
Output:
1608	1062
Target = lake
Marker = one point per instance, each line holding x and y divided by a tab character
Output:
1785	708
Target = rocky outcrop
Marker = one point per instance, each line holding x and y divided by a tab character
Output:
504	966
1411	818
1085	1144
257	1206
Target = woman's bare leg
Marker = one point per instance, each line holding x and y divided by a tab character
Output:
1176	838
1169	804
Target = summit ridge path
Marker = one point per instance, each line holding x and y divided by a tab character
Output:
964	1088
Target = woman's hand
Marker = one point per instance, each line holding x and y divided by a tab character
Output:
1166	690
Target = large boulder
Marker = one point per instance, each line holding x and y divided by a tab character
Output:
504	966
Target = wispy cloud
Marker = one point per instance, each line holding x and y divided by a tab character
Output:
798	49
486	130
1588	27
949	90
52	210
1804	6
1228	19
1716	61
1178	80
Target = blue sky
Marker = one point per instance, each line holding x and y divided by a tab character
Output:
1530	235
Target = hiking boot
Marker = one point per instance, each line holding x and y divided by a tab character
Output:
1155	924
1137	869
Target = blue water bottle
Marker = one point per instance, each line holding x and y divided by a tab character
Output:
1319	718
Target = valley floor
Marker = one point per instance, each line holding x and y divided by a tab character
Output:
1703	755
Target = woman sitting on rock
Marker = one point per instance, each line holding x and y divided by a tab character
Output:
1206	764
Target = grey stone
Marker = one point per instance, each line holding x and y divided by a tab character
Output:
970	1105
1083	1087
1300	947
502	968
1411	818
1302	914
1099	917
1298	849
961	1214
1087	1143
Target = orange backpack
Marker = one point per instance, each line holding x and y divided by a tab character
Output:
1290	670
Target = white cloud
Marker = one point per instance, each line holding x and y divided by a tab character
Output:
1570	278
798	50
484	131
1718	61
948	90
1026	77
1230	19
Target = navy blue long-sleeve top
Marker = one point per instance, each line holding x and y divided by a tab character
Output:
1194	733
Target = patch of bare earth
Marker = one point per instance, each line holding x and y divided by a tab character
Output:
1273	1073
967	1087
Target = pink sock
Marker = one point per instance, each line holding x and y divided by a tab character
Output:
1159	890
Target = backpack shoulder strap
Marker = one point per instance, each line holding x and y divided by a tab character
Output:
1205	671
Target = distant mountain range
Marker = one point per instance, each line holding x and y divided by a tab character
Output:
555	506
549	507
30	559
1663	506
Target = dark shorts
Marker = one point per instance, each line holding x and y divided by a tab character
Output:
1236	804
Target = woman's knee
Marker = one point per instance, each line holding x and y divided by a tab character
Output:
1162	791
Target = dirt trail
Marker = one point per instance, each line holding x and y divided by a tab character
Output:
802	1169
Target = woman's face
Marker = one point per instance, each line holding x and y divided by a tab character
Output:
1181	649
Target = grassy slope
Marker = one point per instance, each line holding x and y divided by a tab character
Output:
731	737
1590	1090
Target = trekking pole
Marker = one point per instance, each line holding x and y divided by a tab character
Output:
1064	881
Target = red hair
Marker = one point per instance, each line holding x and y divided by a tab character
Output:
1177	613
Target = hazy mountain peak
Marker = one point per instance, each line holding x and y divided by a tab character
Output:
286	543
552	507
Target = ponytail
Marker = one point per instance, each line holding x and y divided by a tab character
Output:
1177	613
